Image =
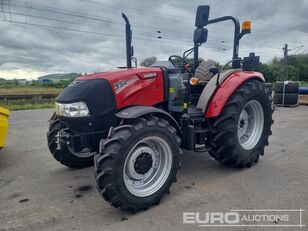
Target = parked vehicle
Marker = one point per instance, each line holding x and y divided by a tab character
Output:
136	121
4	124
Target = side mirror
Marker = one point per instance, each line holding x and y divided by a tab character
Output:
132	50
202	16
200	35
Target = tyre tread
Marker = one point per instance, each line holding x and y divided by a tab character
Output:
224	128
108	188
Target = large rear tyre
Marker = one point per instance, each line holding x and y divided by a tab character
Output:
289	87
287	99
138	164
240	133
64	155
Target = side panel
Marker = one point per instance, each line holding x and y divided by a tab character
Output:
138	90
226	89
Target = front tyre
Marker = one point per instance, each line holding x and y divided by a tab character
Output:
240	133
66	156
139	164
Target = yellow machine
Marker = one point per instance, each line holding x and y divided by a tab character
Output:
4	124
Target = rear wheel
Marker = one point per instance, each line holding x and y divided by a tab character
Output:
240	133
139	164
66	156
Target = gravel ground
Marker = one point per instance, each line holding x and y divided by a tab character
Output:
38	193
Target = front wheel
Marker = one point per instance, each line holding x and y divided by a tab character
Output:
65	155
138	164
240	133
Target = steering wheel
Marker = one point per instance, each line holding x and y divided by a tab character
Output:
183	60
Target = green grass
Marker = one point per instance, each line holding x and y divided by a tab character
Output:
28	106
31	104
303	84
29	90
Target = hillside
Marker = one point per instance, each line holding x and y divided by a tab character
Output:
58	77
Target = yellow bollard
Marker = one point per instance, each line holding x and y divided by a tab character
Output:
4	124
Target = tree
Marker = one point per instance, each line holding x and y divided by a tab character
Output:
271	72
148	61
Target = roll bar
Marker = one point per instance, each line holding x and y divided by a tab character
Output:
237	36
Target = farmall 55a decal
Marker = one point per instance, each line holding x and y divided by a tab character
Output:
122	84
119	84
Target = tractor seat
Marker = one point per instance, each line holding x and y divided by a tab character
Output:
204	71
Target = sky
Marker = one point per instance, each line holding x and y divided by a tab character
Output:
41	37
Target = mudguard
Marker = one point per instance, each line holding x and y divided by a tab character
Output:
138	111
223	92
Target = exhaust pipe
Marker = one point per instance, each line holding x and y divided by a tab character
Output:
128	36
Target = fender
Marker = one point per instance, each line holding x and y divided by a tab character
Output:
138	111
226	89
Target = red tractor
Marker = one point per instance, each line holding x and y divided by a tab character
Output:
136	121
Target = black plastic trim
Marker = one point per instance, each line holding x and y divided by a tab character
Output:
166	83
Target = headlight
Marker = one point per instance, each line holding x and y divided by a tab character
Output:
78	109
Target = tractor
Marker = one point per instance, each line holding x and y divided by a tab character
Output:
134	123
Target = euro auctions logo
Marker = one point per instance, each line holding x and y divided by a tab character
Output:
211	218
246	218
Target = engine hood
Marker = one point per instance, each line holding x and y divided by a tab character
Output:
133	86
106	93
118	74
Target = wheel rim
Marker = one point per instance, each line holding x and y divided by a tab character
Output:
147	166
250	125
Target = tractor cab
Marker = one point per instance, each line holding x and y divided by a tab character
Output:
189	80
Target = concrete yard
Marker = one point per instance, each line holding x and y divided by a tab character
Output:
38	193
